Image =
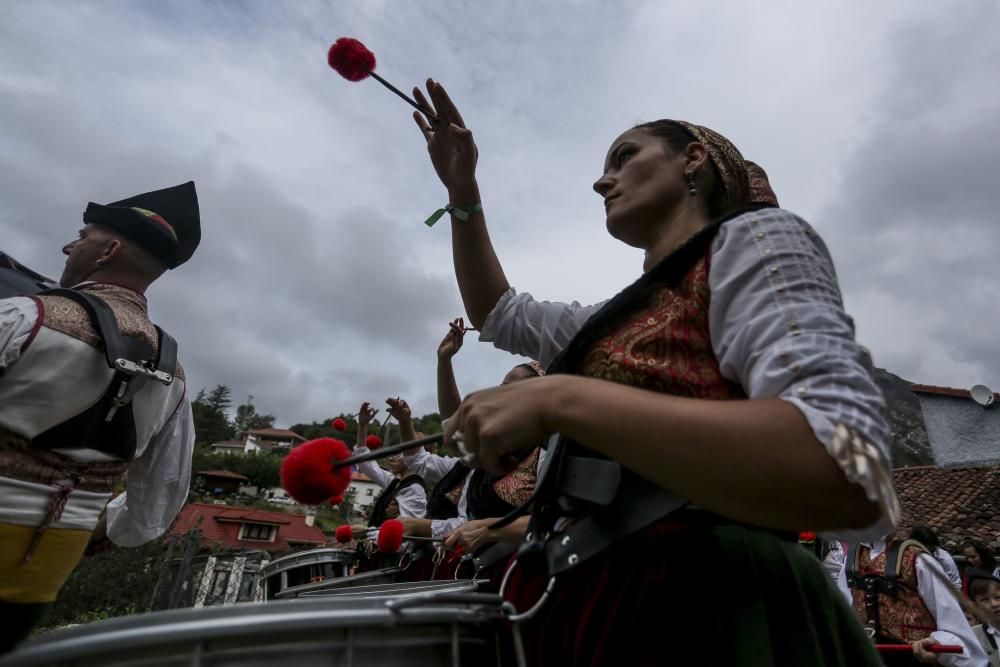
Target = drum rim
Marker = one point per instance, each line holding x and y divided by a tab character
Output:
405	588
279	565
292	592
193	624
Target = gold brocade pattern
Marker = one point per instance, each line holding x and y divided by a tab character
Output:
760	187
728	162
904	618
130	311
516	488
18	460
665	346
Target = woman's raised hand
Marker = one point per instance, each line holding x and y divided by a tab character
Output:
452	341
450	144
399	409
366	414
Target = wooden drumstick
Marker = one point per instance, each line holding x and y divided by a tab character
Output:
386	452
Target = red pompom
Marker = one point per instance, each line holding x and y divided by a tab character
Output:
336	500
373	442
806	536
339	424
307	472
390	536
351	59
344	534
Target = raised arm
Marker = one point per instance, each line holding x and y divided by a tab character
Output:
453	153
447	388
369	469
400	409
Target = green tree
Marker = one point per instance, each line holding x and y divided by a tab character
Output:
210	421
247	418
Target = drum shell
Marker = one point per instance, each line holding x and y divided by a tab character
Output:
295	633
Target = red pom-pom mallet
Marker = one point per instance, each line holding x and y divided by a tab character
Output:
807	536
339	424
336	500
373	442
355	62
309	474
344	534
390	536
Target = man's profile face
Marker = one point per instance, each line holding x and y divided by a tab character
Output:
82	255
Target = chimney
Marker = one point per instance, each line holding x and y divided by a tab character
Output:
310	517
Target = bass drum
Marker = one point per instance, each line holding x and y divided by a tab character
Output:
454	629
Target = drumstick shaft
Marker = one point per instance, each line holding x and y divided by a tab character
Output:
420	538
908	648
386	452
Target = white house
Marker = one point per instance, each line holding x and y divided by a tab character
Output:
271	439
366	492
278	440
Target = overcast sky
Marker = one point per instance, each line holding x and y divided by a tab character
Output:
317	287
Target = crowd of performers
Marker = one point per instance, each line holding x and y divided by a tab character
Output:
648	486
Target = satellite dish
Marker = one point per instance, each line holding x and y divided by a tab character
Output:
983	395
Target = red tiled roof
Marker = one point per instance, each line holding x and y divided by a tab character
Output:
957	503
221	524
224	474
944	391
277	434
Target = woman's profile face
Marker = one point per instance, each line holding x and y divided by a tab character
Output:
642	185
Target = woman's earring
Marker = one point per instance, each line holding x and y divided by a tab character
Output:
692	190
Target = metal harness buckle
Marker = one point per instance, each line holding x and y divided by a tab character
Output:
145	369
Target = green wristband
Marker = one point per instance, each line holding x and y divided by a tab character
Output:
460	212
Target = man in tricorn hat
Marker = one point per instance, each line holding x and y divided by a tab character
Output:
73	418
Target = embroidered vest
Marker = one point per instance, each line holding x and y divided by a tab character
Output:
665	345
904	618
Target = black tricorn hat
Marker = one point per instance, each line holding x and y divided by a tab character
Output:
165	222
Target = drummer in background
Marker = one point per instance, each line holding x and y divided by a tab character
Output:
483	498
403	493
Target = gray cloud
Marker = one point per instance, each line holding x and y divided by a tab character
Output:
316	286
915	225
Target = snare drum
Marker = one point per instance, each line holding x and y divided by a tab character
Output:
458	629
305	567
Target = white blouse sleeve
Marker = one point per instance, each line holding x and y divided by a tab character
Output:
18	316
157	483
373	470
429	466
779	330
538	330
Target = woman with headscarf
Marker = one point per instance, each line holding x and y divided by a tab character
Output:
707	413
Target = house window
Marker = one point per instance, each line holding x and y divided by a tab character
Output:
371	492
256	531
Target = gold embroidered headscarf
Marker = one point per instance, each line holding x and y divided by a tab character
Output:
760	187
728	162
